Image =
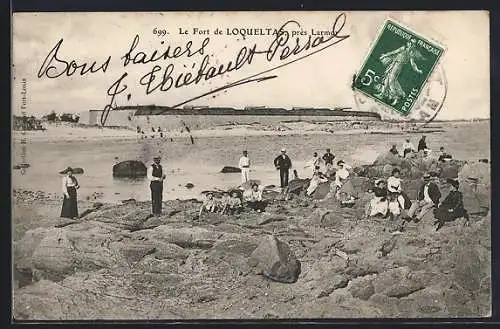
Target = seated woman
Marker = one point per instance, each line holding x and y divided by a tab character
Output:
398	200
316	179
344	190
452	207
234	204
253	198
209	205
379	204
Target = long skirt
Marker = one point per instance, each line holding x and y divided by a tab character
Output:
346	190
69	207
377	206
443	214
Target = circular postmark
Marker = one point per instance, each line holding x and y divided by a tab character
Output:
427	106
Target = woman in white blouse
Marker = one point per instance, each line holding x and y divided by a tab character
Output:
69	187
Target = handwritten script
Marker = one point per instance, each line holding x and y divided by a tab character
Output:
165	76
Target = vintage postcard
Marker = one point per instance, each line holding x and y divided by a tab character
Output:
251	165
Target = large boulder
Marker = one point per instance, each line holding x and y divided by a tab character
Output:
476	197
321	191
230	170
276	261
450	169
478	171
361	184
393	160
130	169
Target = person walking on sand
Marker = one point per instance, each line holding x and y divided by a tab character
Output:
244	165
428	198
283	163
69	187
156	178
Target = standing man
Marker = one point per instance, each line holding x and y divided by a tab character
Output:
156	178
422	145
283	164
244	165
428	198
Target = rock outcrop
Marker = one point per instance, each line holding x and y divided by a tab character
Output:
302	258
276	260
130	169
230	170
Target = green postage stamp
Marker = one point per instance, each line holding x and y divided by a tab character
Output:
397	67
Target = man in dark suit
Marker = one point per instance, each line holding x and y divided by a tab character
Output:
428	198
283	164
156	178
422	145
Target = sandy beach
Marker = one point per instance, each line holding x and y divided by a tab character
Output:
70	132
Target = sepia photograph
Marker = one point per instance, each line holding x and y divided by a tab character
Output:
251	165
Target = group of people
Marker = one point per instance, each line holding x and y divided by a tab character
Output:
390	200
409	149
323	169
232	203
143	134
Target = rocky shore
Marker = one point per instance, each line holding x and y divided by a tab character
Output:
302	258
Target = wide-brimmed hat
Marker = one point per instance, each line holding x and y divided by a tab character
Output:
283	149
67	170
340	162
426	176
157	158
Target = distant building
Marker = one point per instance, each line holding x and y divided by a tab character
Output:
26	123
117	117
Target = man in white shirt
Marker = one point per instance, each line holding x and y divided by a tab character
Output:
156	178
408	147
244	165
314	163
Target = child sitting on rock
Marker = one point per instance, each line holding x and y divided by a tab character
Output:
234	204
209	205
223	202
253	198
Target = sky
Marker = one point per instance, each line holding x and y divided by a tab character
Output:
320	80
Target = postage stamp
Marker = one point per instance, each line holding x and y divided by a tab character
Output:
397	67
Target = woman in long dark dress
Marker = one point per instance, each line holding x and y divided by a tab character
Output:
69	187
452	206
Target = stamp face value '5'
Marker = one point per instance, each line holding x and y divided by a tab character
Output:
397	67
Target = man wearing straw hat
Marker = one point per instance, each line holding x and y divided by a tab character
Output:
156	178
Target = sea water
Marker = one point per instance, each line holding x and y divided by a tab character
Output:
200	163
